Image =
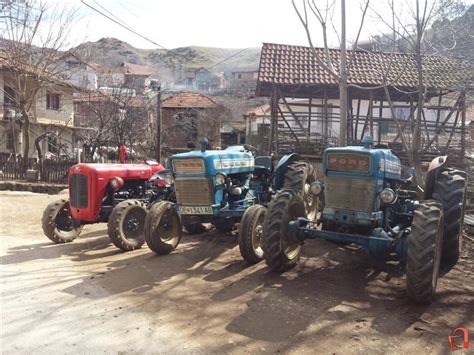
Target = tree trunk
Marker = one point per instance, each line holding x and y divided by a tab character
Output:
26	134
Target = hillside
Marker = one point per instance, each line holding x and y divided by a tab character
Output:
111	51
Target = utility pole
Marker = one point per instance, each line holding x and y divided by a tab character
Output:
156	87
343	81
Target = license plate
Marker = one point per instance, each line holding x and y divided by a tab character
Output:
196	210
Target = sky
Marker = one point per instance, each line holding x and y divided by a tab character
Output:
211	23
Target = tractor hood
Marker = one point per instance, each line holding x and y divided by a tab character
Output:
125	171
232	160
366	162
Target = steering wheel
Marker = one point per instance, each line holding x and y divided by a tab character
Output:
251	149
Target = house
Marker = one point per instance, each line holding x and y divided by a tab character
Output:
127	75
80	73
200	79
186	118
51	112
244	80
296	75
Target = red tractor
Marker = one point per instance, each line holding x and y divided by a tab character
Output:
114	193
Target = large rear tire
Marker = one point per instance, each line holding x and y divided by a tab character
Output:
250	234
279	251
424	251
126	226
163	229
450	190
57	223
298	177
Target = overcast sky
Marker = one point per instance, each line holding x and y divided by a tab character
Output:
212	23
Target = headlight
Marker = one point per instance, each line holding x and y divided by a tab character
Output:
316	188
220	179
169	179
116	183
388	196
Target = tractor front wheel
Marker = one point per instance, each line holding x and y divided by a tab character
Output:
57	223
279	251
450	190
424	251
126	225
163	229
250	234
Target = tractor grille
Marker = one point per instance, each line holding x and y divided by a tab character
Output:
194	192
350	194
79	191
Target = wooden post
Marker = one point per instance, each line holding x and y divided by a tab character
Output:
463	128
343	80
273	119
356	129
379	139
158	126
370	112
309	117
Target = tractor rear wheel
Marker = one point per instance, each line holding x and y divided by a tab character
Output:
57	223
299	176
163	229
424	251
126	226
279	251
192	225
450	190
250	234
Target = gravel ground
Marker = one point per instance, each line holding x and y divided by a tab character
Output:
88	297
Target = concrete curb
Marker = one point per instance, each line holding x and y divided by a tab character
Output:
44	188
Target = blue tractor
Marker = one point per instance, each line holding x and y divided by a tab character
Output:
223	187
367	202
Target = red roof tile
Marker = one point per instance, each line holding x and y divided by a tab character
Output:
135	69
189	100
296	65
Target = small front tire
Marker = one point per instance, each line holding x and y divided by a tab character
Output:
57	223
250	234
280	252
163	229
127	224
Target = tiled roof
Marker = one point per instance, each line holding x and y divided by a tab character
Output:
295	65
189	100
135	69
127	100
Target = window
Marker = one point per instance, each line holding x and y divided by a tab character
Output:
52	101
239	76
10	141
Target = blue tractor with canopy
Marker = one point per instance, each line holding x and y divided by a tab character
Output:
367	202
222	187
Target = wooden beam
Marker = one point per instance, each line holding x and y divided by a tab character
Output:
290	110
287	124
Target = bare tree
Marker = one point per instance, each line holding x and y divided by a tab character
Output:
34	36
410	34
322	14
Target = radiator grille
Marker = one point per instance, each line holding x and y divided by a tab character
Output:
79	191
194	192
350	194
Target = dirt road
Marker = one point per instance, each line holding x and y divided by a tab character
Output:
89	297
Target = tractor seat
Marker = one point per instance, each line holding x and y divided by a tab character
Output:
263	164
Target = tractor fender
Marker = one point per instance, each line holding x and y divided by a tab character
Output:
281	168
434	168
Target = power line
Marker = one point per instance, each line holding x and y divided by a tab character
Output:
128	28
121	23
226	59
